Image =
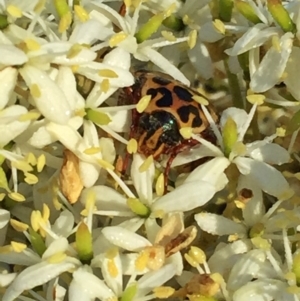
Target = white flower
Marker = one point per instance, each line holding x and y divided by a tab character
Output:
144	51
253	160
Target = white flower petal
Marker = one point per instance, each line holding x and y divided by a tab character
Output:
210	172
250	266
115	282
129	264
164	64
254	209
120	120
270	153
254	37
118	57
65	80
228	255
269	179
6	279
124	78
89	173
292	71
10	126
201	60
185	197
208	33
37	275
8	78
11	55
108	150
4	218
155	279
106	198
238	115
219	225
59	245
268	73
142	180
90	32
86	286
272	290
51	101
63	225
125	239
25	258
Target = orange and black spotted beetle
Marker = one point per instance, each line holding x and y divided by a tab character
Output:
171	108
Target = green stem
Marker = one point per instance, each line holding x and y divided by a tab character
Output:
234	87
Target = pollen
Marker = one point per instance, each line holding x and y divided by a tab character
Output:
112	253
163	292
41	161
18	226
105	85
105	164
170	10
92	150
22	165
168	35
74	51
90	201
142	260
30	178
276	43
108	73
65	22
46	213
156	256
16	196
14	11
32	44
35	219
31	159
112	268
192	39
132	146
81	13
18	247
117	38
146	164
280	132
143	103
186	132
201	100
190	260
257	99
127	3
57	258
219	26
35	91
197	254
159	186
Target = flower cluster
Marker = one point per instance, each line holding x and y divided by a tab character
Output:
212	213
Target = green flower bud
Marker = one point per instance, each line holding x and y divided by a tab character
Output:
247	11
281	15
84	243
230	135
225	10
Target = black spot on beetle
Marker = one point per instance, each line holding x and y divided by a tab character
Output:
185	111
161	81
183	93
165	100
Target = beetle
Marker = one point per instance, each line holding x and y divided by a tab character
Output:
171	108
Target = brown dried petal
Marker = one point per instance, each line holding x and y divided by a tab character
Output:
170	229
202	285
181	241
69	178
